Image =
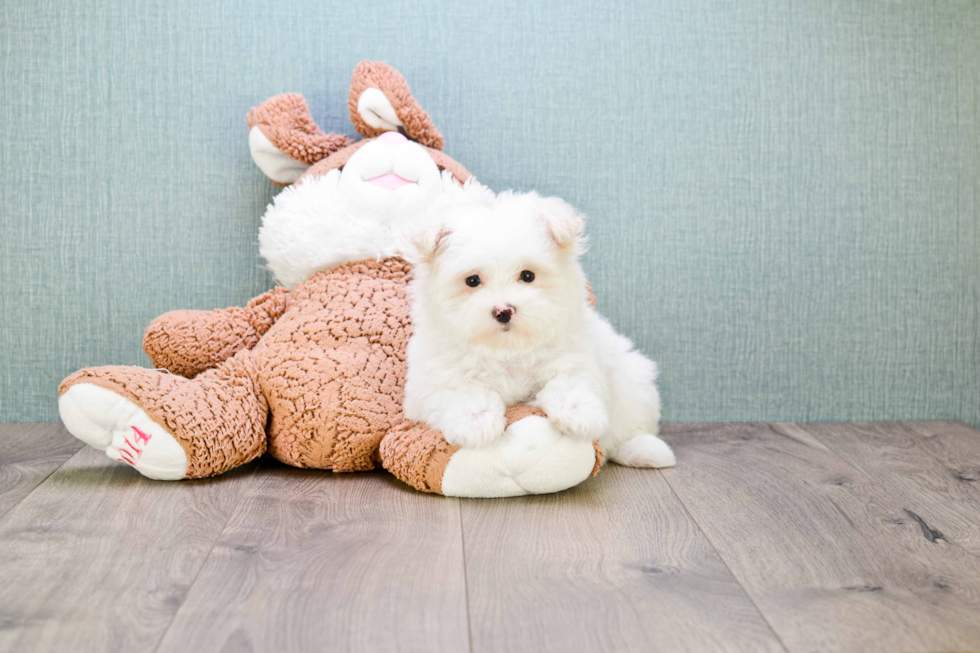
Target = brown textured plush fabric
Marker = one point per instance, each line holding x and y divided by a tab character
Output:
446	162
337	160
417	455
599	457
336	366
190	342
375	74
515	413
285	120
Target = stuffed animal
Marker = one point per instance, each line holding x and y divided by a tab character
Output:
313	371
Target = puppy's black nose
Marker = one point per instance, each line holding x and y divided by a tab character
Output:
503	313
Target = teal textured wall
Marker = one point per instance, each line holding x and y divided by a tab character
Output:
784	196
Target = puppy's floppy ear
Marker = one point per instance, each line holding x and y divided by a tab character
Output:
432	242
564	224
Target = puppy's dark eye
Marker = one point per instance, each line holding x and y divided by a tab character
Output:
473	281
527	276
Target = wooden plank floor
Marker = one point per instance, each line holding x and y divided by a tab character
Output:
766	537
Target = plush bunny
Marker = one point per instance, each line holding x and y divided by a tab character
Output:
313	371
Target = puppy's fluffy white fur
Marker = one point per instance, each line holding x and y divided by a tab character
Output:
465	365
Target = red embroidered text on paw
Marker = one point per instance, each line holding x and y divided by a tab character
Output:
132	451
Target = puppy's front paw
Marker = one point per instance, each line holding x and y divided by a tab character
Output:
472	422
575	408
474	430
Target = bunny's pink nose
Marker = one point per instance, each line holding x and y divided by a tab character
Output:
392	138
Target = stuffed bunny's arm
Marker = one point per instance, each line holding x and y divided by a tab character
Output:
190	342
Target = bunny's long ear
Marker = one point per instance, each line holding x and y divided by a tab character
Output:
284	141
381	101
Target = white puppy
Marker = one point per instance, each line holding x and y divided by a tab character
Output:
501	316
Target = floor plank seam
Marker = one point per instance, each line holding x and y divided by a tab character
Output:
466	580
204	562
748	595
42	482
928	532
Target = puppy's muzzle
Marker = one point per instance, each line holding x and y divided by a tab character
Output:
503	314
